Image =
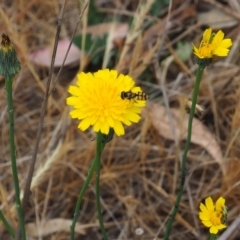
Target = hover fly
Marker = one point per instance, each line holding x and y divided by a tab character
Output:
135	96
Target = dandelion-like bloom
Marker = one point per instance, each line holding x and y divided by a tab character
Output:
97	101
213	45
213	215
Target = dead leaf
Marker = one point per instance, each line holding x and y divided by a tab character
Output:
51	226
216	19
200	134
43	56
120	30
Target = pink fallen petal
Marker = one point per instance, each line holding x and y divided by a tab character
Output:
43	56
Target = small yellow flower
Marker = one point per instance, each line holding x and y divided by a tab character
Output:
97	101
213	216
213	45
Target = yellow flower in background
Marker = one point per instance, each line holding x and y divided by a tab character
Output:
97	101
213	45
213	215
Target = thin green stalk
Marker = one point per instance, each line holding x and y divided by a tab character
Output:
7	225
8	86
184	157
213	237
80	197
100	146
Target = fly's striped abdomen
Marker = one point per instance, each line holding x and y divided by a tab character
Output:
136	96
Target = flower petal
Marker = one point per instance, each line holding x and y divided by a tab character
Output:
209	204
204	216
226	43
218	37
104	128
214	229
131	116
220	203
78	114
97	126
203	208
84	124
71	100
74	91
207	35
118	128
221	52
221	226
207	223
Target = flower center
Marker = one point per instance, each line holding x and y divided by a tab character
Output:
205	49
216	218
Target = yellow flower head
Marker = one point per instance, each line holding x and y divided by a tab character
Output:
97	101
213	216
213	45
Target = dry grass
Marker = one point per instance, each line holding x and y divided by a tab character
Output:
140	171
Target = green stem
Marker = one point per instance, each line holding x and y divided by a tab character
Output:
8	86
7	225
100	146
184	157
80	197
213	236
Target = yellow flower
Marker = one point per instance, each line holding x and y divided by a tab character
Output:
213	216
97	101
213	45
